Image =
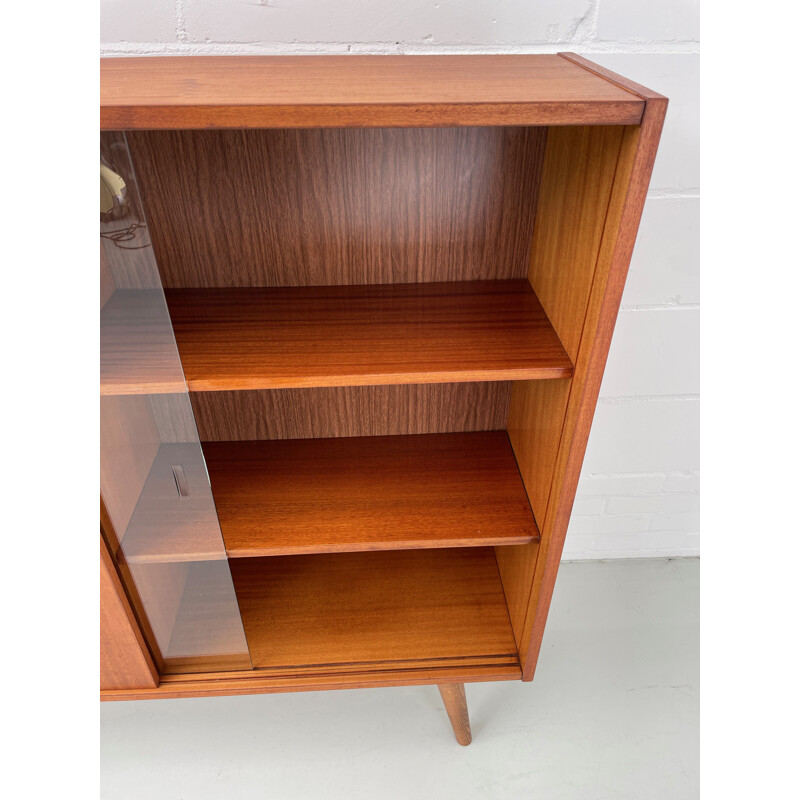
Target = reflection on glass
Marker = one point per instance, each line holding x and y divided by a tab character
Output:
161	523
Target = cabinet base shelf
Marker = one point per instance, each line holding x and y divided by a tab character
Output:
220	684
388	610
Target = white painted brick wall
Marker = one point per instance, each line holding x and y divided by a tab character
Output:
639	491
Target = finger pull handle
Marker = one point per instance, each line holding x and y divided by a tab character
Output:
180	480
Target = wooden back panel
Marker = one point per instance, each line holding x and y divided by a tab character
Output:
351	411
338	206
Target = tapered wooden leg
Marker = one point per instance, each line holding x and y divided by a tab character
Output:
455	703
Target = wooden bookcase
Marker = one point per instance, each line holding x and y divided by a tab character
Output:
355	313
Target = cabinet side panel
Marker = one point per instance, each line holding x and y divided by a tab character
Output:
631	179
125	662
577	180
535	420
577	177
339	206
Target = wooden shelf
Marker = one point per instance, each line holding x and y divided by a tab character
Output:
358	91
137	348
364	335
368	493
403	608
166	527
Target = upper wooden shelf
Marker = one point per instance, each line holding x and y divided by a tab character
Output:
358	91
233	339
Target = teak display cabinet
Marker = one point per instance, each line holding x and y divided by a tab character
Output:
354	317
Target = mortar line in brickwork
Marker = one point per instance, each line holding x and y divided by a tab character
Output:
648	398
188	46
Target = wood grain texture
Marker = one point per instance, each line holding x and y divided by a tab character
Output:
426	664
368	493
351	411
363	335
637	155
577	177
583	313
577	181
455	703
356	91
535	422
125	662
618	80
326	207
137	348
373	608
221	684
168	527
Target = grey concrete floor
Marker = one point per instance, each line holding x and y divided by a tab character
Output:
611	714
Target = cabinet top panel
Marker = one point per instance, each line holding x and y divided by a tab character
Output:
361	91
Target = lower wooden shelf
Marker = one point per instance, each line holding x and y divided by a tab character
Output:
408	609
368	493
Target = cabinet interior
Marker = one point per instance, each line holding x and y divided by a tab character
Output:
379	330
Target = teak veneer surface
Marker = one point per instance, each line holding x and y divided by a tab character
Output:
368	493
397	617
364	335
357	91
578	176
373	608
330	206
331	411
258	681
